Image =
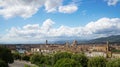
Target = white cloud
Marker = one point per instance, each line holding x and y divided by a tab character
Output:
36	33
68	8
22	8
47	25
27	8
51	5
31	27
112	2
104	26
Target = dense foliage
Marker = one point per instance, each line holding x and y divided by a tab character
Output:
97	62
61	55
37	59
6	56
16	56
25	57
41	60
65	59
81	58
67	62
113	63
3	64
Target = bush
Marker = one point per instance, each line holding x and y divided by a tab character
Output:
97	62
6	55
67	62
26	58
48	60
61	55
113	63
37	59
3	64
26	65
81	58
16	56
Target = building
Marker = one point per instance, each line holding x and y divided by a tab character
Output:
90	50
95	54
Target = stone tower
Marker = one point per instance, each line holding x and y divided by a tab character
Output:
46	43
108	52
74	44
107	46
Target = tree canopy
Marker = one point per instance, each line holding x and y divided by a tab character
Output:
37	59
81	58
6	55
16	55
97	62
3	64
113	63
61	55
67	62
65	59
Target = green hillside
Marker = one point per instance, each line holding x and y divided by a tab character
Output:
112	39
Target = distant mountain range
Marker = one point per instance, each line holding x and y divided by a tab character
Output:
111	39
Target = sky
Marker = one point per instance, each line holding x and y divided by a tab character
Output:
34	21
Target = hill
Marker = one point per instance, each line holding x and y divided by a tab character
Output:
111	39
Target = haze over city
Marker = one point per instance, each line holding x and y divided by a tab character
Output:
34	21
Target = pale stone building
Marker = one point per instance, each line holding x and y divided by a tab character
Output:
95	54
115	55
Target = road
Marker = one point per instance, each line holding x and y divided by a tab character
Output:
18	63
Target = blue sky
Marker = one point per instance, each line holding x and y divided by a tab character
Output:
37	20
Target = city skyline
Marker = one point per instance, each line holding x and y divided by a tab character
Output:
34	21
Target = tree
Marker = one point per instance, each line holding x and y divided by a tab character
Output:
37	59
81	58
48	60
27	65
60	55
113	63
25	57
6	55
3	64
41	60
67	62
97	62
16	56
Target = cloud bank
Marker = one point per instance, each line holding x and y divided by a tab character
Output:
36	33
27	8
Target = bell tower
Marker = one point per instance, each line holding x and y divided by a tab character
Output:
46	43
108	52
107	46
